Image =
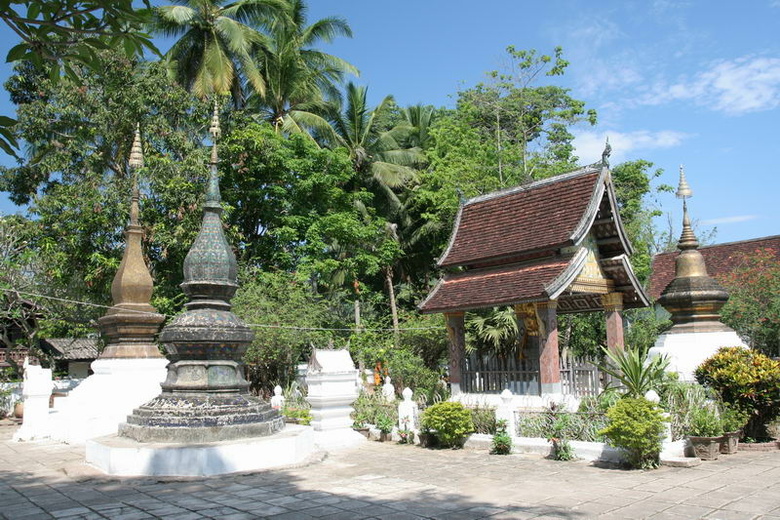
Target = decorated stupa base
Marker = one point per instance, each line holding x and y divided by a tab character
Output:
199	417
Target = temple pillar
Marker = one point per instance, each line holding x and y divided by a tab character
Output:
549	362
456	331
613	310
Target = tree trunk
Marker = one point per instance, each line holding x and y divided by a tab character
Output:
393	307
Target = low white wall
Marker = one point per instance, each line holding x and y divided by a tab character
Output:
592	451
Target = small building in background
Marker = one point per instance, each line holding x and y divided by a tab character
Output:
73	355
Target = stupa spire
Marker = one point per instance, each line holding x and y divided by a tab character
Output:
130	325
693	298
210	268
205	397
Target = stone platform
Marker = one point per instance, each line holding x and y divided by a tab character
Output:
121	456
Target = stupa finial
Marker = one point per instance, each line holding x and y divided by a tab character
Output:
135	162
688	238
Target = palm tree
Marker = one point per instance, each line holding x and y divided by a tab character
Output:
299	79
380	160
216	43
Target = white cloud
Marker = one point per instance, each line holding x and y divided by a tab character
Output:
589	145
728	220
747	84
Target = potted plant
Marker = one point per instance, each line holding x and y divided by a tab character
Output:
385	425
733	420
360	424
705	433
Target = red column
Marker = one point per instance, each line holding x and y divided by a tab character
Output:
456	332
549	363
613	308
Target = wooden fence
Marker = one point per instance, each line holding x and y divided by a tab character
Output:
489	374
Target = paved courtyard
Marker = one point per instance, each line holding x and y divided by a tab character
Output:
389	481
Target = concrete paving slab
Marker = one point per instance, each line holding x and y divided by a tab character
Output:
388	481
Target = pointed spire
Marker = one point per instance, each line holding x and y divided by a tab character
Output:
212	194
688	238
136	151
132	285
684	191
135	162
210	269
606	153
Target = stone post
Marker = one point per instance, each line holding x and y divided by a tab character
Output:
613	309
506	412
456	332
36	391
549	362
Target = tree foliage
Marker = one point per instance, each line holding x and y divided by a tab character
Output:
753	309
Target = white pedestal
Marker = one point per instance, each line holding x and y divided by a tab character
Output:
331	382
36	392
104	400
121	456
686	351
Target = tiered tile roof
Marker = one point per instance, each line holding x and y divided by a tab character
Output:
527	244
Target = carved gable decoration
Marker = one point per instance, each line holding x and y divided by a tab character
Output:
556	239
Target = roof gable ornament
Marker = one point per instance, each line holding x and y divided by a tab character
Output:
605	154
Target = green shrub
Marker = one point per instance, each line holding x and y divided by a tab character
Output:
484	420
562	449
681	400
636	425
450	421
369	407
748	380
732	418
705	422
502	441
580	426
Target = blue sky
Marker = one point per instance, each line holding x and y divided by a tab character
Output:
674	82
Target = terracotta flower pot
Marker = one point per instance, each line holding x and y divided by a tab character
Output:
19	409
706	448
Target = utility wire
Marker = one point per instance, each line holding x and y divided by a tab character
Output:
252	325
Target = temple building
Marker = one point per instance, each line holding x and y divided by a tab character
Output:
552	247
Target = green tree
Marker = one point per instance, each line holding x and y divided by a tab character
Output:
283	312
76	182
61	35
377	156
216	42
527	125
753	309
